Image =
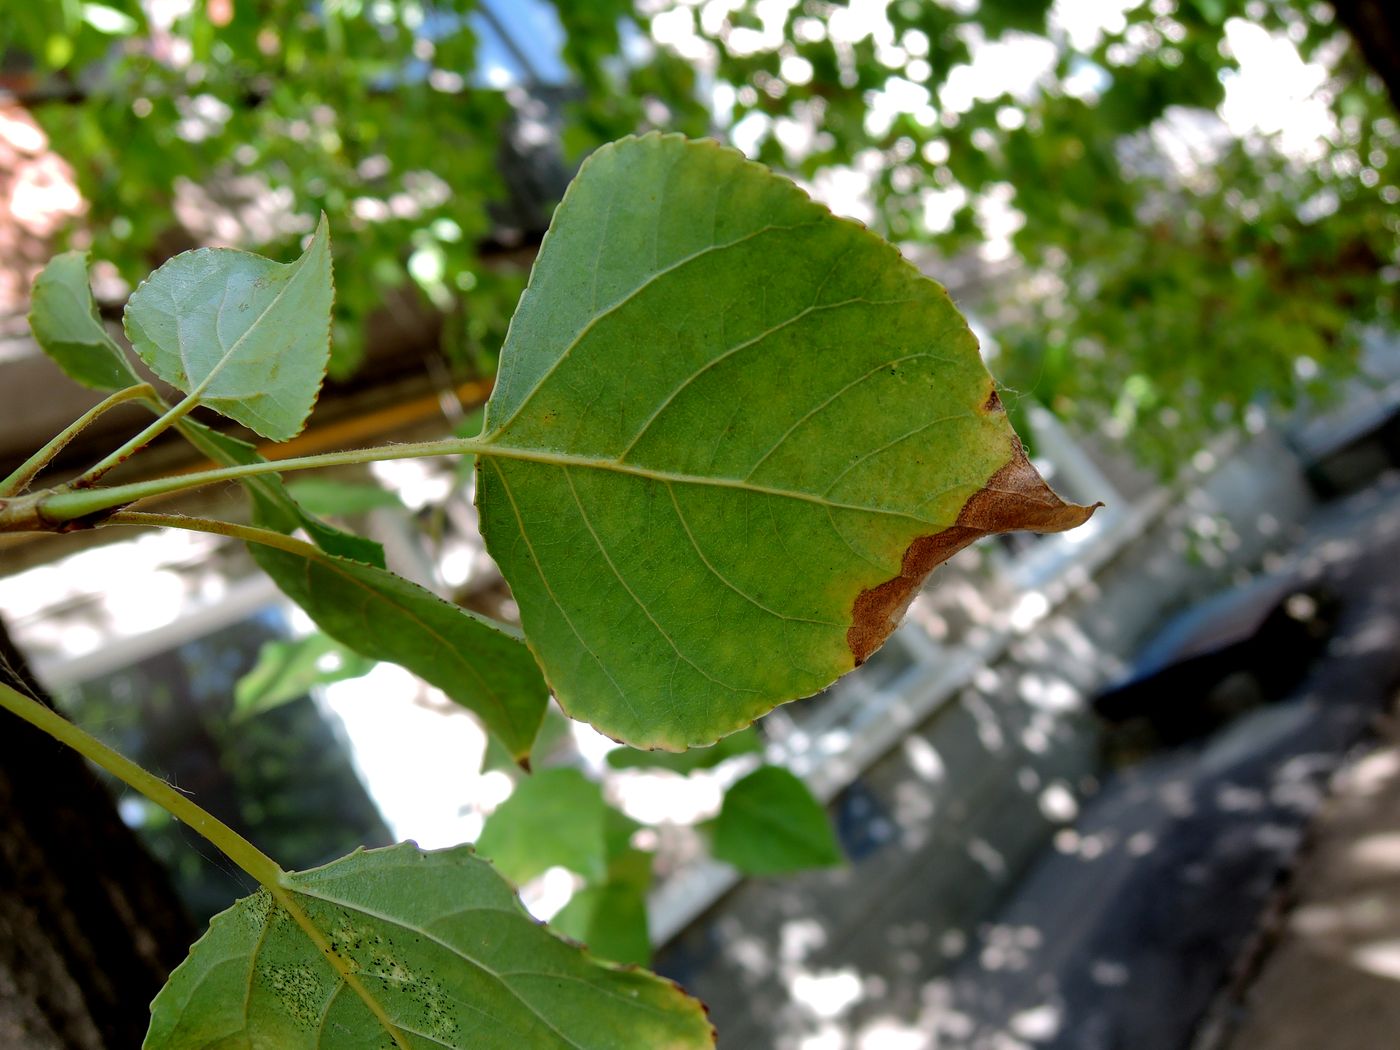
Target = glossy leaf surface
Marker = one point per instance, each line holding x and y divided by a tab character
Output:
421	950
730	437
248	336
63	317
385	617
770	824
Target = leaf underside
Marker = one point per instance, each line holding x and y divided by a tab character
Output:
438	941
730	436
250	337
63	317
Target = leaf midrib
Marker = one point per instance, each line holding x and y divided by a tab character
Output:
228	355
489	448
373	913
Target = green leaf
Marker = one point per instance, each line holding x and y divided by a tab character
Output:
557	817
611	917
770	824
273	506
421	950
730	437
382	616
744	742
286	671
243	334
63	317
339	498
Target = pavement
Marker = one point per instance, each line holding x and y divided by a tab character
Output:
1161	919
1328	974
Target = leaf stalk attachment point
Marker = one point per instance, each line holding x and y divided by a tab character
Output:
19	480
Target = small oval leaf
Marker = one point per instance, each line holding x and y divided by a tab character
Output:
421	950
247	336
63	317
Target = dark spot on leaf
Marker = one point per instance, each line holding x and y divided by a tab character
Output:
1015	497
993	402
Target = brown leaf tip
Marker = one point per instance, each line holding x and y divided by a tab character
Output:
1015	497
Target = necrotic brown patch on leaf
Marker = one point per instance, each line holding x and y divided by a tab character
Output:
1015	497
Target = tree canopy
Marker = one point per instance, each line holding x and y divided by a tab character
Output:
1152	249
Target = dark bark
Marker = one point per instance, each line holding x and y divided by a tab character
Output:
1375	26
89	924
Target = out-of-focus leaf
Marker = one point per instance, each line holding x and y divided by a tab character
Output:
413	950
63	317
246	335
744	742
475	661
770	824
339	498
554	818
286	671
611	917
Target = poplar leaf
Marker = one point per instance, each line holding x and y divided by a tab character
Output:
730	437
407	949
247	336
770	824
63	317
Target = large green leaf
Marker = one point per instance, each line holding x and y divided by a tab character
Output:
246	335
63	317
555	817
730	437
412	950
770	824
385	617
287	670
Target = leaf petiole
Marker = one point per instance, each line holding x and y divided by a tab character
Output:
62	505
170	417
247	533
19	480
235	846
252	860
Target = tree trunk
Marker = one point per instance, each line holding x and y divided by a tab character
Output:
89	924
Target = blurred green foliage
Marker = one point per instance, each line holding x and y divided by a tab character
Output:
1164	275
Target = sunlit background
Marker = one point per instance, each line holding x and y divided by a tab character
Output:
1067	786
